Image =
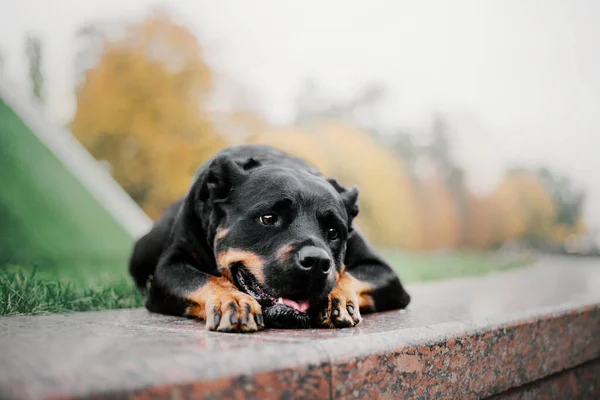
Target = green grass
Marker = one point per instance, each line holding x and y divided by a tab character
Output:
60	290
418	267
25	293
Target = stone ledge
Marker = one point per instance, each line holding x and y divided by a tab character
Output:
464	338
581	382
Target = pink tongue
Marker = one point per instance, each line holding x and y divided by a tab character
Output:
302	306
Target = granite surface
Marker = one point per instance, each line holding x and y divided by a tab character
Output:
463	338
579	383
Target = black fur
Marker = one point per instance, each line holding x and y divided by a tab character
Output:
231	192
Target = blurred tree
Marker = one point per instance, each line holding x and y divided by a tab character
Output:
91	39
404	145
33	50
441	222
513	224
485	222
568	201
529	208
142	109
440	152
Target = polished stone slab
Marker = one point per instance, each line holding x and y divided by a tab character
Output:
461	338
579	383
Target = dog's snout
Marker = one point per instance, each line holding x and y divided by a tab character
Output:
312	257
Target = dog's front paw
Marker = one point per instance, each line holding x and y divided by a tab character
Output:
233	311
342	310
225	308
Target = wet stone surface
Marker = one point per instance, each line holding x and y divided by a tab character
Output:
463	338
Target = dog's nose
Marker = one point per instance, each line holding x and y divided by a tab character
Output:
311	257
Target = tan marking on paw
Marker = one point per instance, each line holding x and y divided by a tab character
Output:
224	307
349	294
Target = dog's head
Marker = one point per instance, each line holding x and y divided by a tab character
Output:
279	234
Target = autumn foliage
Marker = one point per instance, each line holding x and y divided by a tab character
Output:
143	109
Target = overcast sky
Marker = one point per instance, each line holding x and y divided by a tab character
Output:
520	78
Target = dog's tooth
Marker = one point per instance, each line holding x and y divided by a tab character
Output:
280	300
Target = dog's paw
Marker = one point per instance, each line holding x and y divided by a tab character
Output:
225	308
342	310
233	311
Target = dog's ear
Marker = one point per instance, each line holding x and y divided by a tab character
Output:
350	198
222	176
250	163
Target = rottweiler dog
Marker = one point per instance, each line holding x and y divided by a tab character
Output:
263	239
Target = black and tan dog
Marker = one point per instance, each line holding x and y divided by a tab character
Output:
263	239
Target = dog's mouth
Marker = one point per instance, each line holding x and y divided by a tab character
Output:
247	283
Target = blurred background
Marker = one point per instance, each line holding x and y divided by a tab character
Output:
471	128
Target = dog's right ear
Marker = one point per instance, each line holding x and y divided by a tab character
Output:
222	176
350	198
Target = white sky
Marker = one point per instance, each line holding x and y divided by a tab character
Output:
520	78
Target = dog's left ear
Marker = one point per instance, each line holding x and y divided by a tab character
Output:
212	190
350	198
223	175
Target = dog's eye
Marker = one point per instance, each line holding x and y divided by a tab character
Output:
332	234
268	219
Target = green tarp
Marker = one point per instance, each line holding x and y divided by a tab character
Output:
58	208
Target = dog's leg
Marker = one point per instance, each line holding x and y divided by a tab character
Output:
149	248
182	290
365	284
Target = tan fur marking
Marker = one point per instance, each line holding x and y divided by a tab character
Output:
217	288
224	307
348	291
252	261
283	254
337	274
221	233
348	284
